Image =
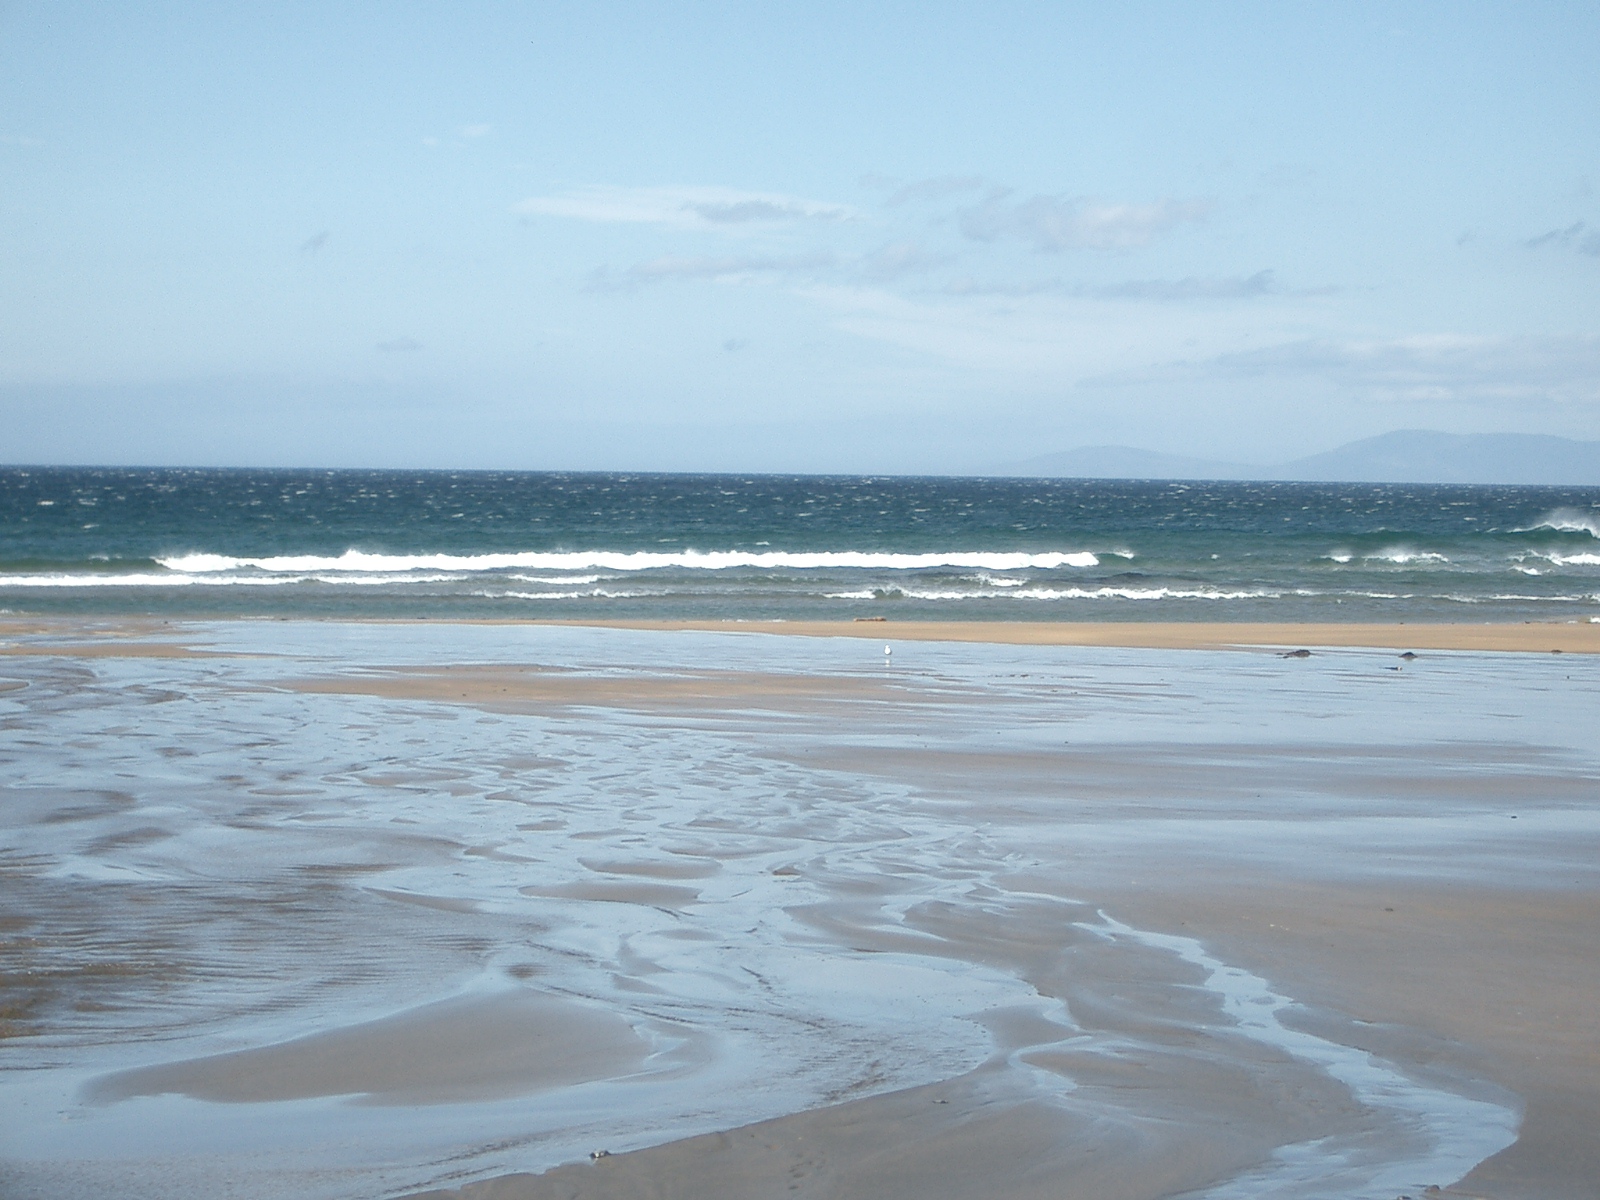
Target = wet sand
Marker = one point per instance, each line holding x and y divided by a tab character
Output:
455	1050
1502	976
1491	984
765	916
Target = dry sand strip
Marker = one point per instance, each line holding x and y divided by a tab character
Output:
1568	638
520	687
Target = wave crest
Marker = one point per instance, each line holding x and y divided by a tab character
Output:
1566	520
630	560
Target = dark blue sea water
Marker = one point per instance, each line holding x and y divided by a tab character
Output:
503	544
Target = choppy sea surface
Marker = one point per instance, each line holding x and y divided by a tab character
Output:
549	545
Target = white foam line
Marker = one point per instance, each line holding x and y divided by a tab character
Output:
585	594
1038	593
1457	1132
179	579
640	560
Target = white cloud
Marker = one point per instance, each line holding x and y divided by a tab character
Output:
476	131
1054	223
695	208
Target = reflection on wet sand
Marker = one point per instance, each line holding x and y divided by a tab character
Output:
469	1048
339	910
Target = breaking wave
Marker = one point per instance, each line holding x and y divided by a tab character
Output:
1566	520
632	560
179	579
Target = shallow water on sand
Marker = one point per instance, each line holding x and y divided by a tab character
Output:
738	903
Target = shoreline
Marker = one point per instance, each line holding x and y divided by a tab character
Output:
1526	637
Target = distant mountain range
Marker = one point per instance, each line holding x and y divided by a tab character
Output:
1404	456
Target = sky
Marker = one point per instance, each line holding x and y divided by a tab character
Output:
790	237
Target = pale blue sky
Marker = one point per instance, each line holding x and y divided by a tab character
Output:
921	237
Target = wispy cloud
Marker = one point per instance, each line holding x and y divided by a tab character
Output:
1239	287
15	139
697	208
938	188
674	266
1577	236
1055	223
967	285
1189	288
1432	367
738	212
886	264
476	131
1029	340
899	259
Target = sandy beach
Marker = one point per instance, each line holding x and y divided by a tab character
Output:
427	908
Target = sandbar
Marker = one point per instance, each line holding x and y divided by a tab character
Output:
130	637
1537	637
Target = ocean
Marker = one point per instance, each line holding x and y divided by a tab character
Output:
486	544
